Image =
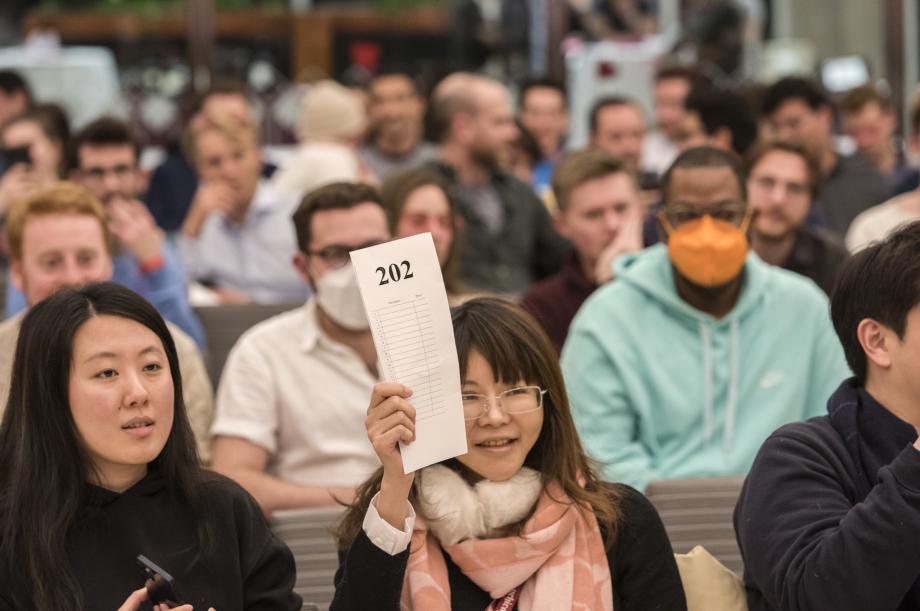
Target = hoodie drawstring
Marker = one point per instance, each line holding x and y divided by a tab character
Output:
728	435
707	383
731	404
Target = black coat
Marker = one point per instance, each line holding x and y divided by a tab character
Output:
642	569
829	516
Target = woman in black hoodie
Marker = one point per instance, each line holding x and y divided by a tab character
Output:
98	465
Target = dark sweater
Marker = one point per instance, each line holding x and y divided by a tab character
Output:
852	186
642	569
829	516
554	301
525	249
249	568
817	254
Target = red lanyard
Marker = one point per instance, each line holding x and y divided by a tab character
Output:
507	602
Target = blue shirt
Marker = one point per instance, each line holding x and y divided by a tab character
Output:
254	257
164	288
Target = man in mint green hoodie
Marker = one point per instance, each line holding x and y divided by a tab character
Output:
698	350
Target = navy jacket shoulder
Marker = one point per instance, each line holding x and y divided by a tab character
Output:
823	524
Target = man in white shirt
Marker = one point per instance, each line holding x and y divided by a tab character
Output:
661	145
293	395
237	237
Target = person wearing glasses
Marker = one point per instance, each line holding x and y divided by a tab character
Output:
522	520
106	155
293	393
783	181
236	238
698	350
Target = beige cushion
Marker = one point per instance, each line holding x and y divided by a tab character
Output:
708	584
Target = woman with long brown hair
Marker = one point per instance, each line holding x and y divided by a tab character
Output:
418	200
521	520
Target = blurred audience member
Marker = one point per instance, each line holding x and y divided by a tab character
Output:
684	364
828	517
174	182
106	155
330	128
542	111
293	395
237	237
59	238
600	212
395	111
782	182
869	119
618	128
661	145
418	200
35	150
15	96
797	109
508	240
876	223
719	118
717	29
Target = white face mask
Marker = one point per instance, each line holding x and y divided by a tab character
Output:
338	295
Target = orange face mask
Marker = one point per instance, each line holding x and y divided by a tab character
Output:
706	251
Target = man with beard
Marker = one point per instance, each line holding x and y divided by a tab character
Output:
237	237
797	109
508	240
106	156
782	182
395	110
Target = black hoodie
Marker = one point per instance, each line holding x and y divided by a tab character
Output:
248	567
829	516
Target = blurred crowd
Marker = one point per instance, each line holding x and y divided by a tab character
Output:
680	263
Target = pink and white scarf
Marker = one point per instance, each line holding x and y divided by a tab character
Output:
559	561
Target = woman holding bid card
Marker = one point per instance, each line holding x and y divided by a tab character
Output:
521	520
98	467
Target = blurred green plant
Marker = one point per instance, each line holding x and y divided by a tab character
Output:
155	7
151	7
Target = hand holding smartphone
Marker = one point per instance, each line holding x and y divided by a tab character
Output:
161	587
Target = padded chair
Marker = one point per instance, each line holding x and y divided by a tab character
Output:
698	511
224	324
307	533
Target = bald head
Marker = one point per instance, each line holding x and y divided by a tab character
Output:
472	118
463	98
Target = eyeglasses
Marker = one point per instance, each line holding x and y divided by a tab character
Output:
336	255
678	214
513	401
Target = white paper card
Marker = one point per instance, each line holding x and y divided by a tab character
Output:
406	304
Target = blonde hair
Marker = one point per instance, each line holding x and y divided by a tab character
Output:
59	198
238	130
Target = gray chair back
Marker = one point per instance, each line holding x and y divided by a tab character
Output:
698	511
224	324
307	533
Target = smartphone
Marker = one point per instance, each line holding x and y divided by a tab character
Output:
17	154
161	587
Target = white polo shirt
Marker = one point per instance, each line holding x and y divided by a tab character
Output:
292	390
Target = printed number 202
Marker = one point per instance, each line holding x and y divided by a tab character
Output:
394	272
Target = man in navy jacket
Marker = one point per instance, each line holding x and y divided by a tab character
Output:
829	516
